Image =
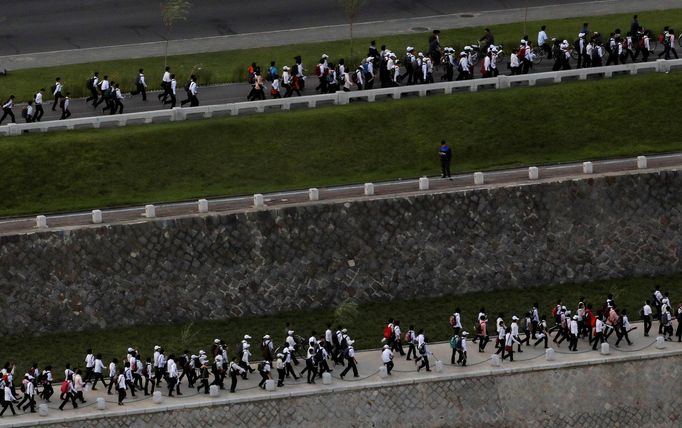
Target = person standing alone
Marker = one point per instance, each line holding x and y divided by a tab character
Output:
445	158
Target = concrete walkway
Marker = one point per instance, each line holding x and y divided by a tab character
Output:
400	187
369	362
468	18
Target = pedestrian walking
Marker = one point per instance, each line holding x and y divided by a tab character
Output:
140	86
235	370
64	106
9	398
27	112
92	84
117	97
192	91
121	386
624	327
56	92
445	158
7	110
387	358
165	85
264	368
68	393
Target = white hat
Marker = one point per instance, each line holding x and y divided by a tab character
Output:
494	49
581	35
202	352
216	340
575	317
344	330
421	55
325	56
193	356
462	54
247	337
130	349
515	318
385	346
285	67
410	48
280	355
157	347
563	308
467	48
350	342
523	41
392	55
267	336
285	350
565	42
464	333
290	332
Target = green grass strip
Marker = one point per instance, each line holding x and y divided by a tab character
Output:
230	66
361	142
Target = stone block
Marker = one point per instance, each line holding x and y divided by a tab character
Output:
383	373
550	354
326	378
101	403
157	398
214	391
314	194
439	366
97	216
605	350
660	342
41	222
258	201
495	360
641	162
369	189
588	168
149	211
270	385
424	183
43	409
478	178
533	173
202	205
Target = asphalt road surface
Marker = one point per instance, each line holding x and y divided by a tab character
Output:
46	25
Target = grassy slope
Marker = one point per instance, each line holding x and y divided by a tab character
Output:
430	314
230	66
356	143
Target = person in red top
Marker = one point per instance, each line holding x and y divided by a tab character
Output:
588	321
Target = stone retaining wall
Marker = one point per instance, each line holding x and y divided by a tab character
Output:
315	255
636	393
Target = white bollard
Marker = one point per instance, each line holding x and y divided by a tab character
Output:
150	211
214	391
383	373
258	200
424	183
326	378
549	354
41	222
314	194
439	366
588	168
96	216
101	403
157	397
270	385
495	360
605	348
641	162
660	342
369	189
478	178
42	409
533	173
202	205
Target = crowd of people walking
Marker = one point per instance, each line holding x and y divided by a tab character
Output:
382	67
588	325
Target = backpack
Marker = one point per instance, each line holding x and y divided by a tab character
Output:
317	70
422	349
365	68
641	43
189	82
54	88
261	366
408	337
65	387
335	340
455	342
388	332
522	53
90	83
453	321
661	38
24	112
138	80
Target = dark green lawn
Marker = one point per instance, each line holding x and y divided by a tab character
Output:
344	144
366	327
230	66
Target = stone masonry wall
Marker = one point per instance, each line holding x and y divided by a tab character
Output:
316	255
638	393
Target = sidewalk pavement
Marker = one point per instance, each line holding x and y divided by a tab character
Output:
329	33
369	362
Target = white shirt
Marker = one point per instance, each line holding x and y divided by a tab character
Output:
542	37
514	328
599	326
119	95
8	104
39	98
112	370
514	60
463	344
574	327
30	389
78	382
121	382
172	368
386	355
29	110
458	320
174	84
193	88
626	322
646	310
89	360
420	340
67	101
8	395
396	332
105	85
166	77
57	88
99	366
142	82
328	336
464	64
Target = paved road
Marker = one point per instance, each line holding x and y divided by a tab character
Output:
478	364
75	24
517	176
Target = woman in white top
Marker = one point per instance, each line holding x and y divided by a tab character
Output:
509	341
9	399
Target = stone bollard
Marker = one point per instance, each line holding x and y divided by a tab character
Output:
214	391
495	360
101	403
258	200
660	342
588	168
605	348
369	189
549	354
96	216
641	162
326	378
478	178
270	385
383	373
42	409
314	194
202	205
439	366
157	397
41	222
424	183
533	173
150	211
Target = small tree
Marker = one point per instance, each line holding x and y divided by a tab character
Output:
352	9
173	11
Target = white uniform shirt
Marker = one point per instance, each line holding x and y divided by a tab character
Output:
57	88
193	88
599	326
574	327
166	77
39	98
89	360
646	310
172	368
99	366
542	37
386	355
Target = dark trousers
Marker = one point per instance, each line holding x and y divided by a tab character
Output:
281	374
131	385
482	343
398	346
166	91
290	371
203	383
65	114
57	96
101	100
117	105
452	357
92	97
425	363
647	324
462	357
351	365
39	113
389	366
445	167
545	339
573	344
173	101
7	112
5	405
88	374
264	376
172	383
623	335
121	394
140	89
233	378
68	396
613	59
598	339
31	403
112	381
412	350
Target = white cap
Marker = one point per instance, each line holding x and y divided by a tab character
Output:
421	55
563	308
467	48
202	352
193	356
267	336
462	54
216	341
581	35
130	349
385	346
280	355
157	347
465	333
575	317
325	56
344	330
350	342
290	332
285	350
410	48
285	68
515	318
247	337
